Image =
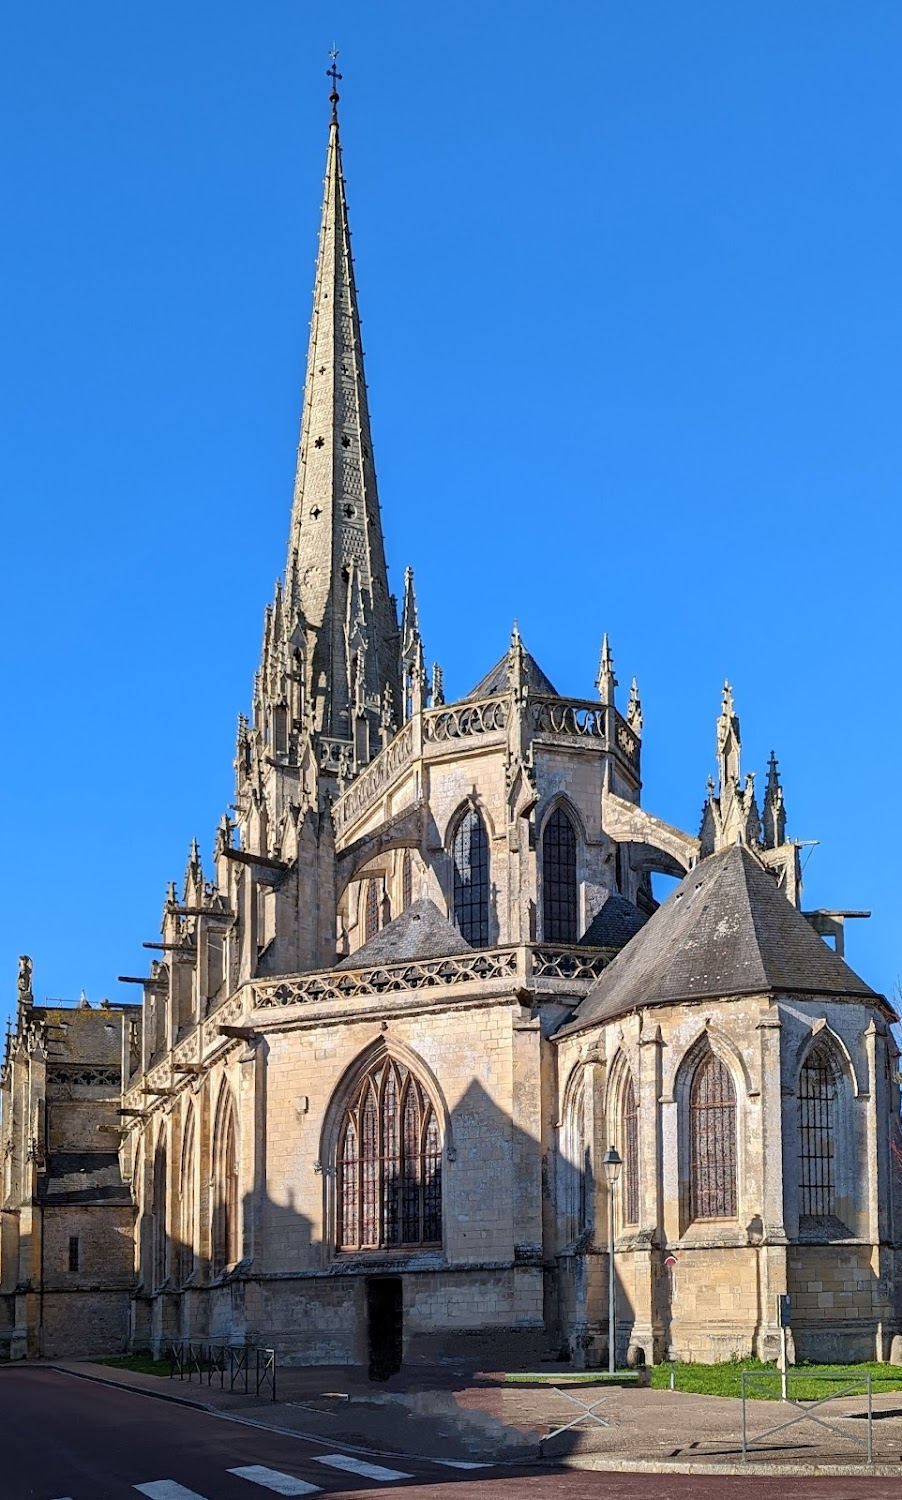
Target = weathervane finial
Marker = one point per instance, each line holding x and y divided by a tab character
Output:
334	74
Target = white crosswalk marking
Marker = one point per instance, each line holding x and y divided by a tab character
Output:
458	1463
357	1466
166	1489
271	1479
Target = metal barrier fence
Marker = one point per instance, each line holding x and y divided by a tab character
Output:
843	1387
245	1368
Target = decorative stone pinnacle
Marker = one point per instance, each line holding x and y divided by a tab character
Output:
606	682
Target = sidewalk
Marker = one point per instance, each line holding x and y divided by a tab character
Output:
458	1414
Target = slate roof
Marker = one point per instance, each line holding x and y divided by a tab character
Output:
83	1177
498	680
725	930
420	931
613	926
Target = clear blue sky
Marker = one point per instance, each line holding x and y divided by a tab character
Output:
630	283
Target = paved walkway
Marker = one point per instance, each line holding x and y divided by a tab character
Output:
451	1413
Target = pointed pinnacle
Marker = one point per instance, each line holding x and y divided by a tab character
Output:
515	635
606	681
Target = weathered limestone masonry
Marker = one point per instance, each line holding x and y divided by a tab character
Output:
388	1036
67	1219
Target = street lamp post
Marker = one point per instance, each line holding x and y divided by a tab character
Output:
612	1162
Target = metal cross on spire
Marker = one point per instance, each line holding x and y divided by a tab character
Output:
334	74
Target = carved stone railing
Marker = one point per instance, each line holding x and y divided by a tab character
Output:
333	752
371	783
516	965
569	963
458	721
586	720
388	979
568	716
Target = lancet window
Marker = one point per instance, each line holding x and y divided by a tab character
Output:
406	880
575	1164
712	1140
817	1110
559	884
389	1177
629	1129
187	1203
160	1238
371	911
470	855
225	1186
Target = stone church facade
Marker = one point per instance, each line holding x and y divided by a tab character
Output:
388	1035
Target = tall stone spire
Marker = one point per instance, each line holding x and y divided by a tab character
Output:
340	621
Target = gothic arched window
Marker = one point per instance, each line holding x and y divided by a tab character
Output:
371	911
817	1104
629	1125
406	880
225	1186
160	1237
576	1166
389	1177
712	1140
187	1204
470	854
559	885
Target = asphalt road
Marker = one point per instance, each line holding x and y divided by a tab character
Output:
62	1438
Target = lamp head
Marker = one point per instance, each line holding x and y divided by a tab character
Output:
612	1161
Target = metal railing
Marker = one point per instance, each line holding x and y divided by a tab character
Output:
843	1387
247	1369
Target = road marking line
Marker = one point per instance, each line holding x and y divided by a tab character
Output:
457	1463
355	1466
271	1479
166	1489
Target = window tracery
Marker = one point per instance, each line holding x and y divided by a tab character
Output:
389	1178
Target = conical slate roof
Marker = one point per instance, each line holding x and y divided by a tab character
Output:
420	931
726	930
613	926
498	680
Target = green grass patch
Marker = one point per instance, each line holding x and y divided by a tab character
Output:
725	1379
142	1364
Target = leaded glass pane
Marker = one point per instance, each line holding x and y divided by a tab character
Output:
559	885
817	1093
470	853
712	1131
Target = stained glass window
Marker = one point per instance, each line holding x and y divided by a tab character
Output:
406	880
559	886
712	1140
390	1184
470	853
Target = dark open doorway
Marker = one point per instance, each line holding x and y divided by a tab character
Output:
385	1325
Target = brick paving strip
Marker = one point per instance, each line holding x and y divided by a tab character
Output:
447	1414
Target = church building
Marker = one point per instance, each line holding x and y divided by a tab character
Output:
392	1030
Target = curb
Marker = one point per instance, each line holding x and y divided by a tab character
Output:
748	1471
136	1390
